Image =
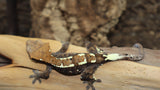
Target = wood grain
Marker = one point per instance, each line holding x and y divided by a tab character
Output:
121	75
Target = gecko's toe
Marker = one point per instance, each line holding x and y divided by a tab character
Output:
93	88
33	82
31	76
98	80
90	83
87	87
36	76
39	80
36	72
84	82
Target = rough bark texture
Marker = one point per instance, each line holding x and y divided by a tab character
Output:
121	75
76	21
139	23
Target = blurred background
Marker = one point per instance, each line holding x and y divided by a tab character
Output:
103	22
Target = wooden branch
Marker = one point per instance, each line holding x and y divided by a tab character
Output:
125	75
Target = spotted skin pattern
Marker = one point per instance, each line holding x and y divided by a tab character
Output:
81	63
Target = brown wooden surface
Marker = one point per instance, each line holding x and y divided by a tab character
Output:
121	75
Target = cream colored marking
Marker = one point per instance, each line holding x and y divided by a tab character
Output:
91	54
41	59
51	55
69	57
71	65
84	62
93	61
131	55
49	50
81	54
94	77
99	50
61	58
61	66
113	57
64	58
105	55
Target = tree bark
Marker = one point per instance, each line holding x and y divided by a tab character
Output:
75	21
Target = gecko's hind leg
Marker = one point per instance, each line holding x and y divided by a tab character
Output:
91	48
38	75
87	76
63	49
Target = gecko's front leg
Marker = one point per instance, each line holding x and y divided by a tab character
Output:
38	75
87	76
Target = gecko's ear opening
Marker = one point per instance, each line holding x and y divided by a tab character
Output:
4	60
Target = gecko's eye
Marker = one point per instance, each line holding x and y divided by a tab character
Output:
131	58
126	54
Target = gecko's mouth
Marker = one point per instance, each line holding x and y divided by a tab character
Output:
4	60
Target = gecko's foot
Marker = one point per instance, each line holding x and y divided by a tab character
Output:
90	84
38	75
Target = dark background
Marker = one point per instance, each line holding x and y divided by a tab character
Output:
140	22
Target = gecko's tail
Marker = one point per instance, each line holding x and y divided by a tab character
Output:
131	57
